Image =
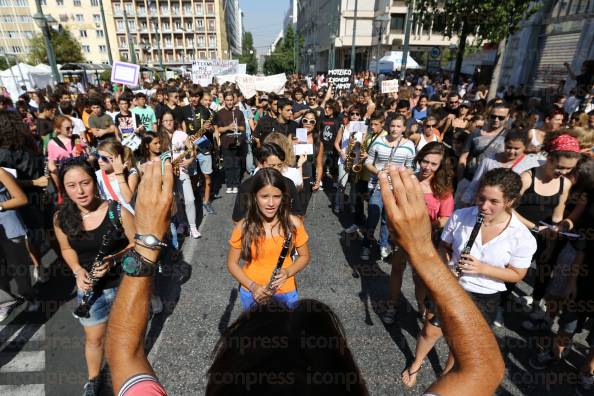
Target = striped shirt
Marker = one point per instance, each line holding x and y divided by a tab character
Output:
381	154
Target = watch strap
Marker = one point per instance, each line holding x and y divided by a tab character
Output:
144	268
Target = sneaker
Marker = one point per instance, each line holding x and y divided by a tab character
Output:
364	253
537	325
389	317
156	304
235	190
208	208
194	233
92	387
352	229
229	190
499	322
216	195
542	360
6	309
585	384
384	252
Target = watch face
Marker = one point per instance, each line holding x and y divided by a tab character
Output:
150	240
130	265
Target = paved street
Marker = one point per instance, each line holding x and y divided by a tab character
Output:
43	354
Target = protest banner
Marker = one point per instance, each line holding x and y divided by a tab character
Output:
389	86
341	79
203	71
125	73
249	85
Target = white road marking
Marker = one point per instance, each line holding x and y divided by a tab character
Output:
23	390
24	361
21	333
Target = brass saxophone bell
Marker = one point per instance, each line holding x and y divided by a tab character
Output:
357	168
352	154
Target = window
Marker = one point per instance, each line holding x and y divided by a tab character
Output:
187	10
25	3
210	9
199	25
99	33
166	27
96	18
124	55
63	18
94	3
439	24
120	25
211	25
77	3
178	25
28	34
83	33
102	49
212	40
189	26
86	48
79	18
202	54
12	34
24	18
201	41
397	23
117	9
5	3
199	9
59	2
16	49
212	54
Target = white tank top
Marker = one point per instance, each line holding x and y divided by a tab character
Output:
422	142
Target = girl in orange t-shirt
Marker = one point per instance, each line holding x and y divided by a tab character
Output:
258	241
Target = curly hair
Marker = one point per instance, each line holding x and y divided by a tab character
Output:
68	216
14	133
253	227
441	183
508	181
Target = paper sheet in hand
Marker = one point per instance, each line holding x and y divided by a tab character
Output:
567	234
302	135
132	141
301	149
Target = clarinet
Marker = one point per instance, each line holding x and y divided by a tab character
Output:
470	242
279	263
83	310
46	198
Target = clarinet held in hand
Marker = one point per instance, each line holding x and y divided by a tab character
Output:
83	310
281	260
470	242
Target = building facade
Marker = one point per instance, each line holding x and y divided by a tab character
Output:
233	24
16	28
327	28
561	31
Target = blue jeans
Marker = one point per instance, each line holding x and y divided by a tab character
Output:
375	213
247	299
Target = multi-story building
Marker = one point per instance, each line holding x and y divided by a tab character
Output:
179	30
561	31
233	24
327	28
83	19
16	27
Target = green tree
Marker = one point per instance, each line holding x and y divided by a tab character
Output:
248	54
486	20
285	58
66	47
3	64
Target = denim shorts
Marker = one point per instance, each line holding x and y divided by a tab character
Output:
101	302
289	299
205	163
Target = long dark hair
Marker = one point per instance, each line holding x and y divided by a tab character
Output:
69	218
144	151
14	134
442	181
253	226
316	129
163	134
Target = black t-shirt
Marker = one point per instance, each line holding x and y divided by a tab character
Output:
240	207
126	124
226	117
195	118
268	125
44	126
328	129
178	113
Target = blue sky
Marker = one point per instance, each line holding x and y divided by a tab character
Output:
264	18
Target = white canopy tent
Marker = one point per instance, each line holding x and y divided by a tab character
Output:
22	74
392	61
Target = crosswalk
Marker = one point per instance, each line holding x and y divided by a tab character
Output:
22	358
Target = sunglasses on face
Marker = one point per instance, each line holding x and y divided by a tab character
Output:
355	114
429	125
103	158
454	102
309	121
498	117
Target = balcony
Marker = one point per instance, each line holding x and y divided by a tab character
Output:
141	13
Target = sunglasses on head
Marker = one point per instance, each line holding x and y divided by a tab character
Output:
103	158
499	117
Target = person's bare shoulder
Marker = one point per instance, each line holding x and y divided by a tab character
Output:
296	220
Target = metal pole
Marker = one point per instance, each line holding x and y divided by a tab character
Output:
51	57
16	83
109	57
354	32
379	38
130	42
409	22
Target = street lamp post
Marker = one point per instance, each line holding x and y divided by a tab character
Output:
409	21
42	22
379	24
353	49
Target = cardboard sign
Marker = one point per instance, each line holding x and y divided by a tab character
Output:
125	73
301	135
301	149
389	86
341	79
203	71
249	85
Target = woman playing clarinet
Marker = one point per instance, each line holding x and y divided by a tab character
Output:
81	224
258	240
500	251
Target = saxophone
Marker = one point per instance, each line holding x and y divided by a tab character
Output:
193	138
351	155
358	166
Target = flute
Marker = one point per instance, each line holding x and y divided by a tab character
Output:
470	242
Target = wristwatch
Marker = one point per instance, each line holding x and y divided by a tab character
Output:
1	209
136	265
150	241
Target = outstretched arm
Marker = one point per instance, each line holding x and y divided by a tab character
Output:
479	366
124	345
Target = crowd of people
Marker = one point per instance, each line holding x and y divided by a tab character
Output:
505	184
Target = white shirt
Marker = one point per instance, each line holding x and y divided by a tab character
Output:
178	146
515	246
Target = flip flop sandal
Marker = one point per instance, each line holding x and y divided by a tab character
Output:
410	374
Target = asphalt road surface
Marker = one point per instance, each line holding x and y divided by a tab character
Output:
42	353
